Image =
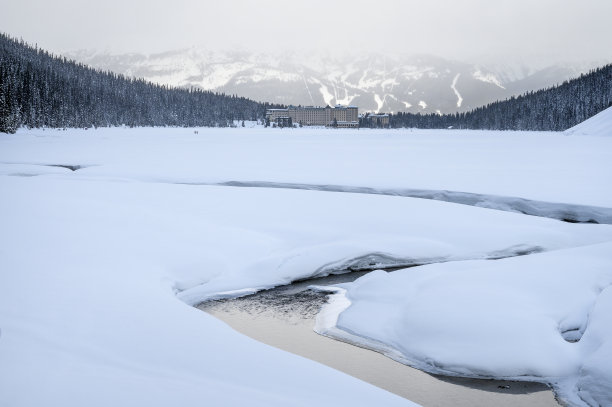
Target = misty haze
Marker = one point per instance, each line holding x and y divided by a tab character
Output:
323	203
373	81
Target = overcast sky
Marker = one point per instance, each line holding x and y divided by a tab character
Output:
460	29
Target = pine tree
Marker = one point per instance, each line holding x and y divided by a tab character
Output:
553	109
38	89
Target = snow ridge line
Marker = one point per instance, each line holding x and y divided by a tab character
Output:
573	213
366	262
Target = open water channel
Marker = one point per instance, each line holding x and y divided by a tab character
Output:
284	317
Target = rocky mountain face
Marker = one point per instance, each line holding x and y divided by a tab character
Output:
415	83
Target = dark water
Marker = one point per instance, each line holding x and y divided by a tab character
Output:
284	317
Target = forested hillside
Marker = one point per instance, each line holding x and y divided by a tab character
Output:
38	89
557	108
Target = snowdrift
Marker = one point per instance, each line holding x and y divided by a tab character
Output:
542	317
598	125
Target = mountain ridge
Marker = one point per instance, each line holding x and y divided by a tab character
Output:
375	82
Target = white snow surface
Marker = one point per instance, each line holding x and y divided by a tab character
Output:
488	78
90	273
504	319
598	125
109	235
542	166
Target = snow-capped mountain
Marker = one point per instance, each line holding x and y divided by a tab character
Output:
416	83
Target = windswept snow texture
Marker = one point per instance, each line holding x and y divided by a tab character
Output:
598	125
105	243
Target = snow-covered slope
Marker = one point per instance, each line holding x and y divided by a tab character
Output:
417	83
598	125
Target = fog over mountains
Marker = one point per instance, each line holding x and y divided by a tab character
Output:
374	82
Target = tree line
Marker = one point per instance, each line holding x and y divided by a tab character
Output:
556	108
38	89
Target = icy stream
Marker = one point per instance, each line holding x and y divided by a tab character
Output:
284	317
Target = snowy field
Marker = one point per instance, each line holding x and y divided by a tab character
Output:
110	235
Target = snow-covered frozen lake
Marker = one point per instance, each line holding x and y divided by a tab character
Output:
109	237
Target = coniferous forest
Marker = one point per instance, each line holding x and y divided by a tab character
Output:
38	89
557	108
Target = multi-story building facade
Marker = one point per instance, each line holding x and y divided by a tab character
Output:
338	116
375	120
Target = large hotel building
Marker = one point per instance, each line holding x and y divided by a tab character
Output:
338	116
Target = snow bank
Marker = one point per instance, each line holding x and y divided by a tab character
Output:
511	318
89	272
598	125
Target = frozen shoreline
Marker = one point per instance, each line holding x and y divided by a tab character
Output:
326	325
284	317
559	337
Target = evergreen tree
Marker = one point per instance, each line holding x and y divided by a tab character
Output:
556	108
38	89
